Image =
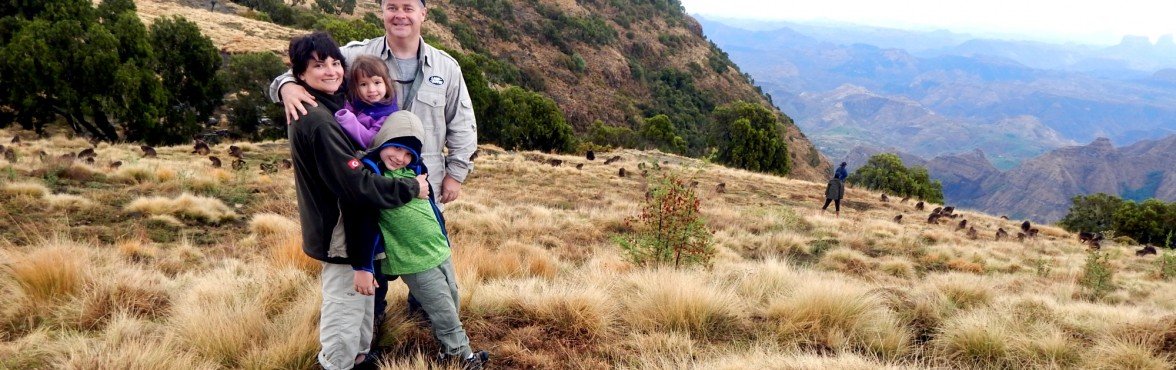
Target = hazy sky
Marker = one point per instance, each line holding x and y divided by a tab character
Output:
1086	21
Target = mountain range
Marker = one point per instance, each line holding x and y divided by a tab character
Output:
936	93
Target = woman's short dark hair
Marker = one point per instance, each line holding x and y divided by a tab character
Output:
315	46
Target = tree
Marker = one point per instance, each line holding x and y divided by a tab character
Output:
886	172
247	77
660	132
670	229
60	59
336	7
748	136
344	31
1091	213
1144	222
525	119
188	72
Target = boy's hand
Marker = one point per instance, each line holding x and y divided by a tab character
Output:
365	283
293	98
424	187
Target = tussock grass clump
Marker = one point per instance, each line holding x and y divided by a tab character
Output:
761	282
137	250
764	357
1124	354
513	259
898	267
977	339
836	315
848	261
266	225
131	292
583	312
663	300
671	347
963	291
32	189
135	174
287	251
204	209
68	201
53	272
219	317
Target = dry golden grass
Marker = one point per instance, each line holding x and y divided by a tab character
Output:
33	189
542	280
195	207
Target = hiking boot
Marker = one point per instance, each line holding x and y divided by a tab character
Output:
476	362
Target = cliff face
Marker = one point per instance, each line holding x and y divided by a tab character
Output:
962	175
1042	187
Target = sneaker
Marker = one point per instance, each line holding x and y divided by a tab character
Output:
477	361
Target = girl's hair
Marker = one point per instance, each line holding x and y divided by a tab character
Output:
316	46
368	66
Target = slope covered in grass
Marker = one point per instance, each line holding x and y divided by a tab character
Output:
111	285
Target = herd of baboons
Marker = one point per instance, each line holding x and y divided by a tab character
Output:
940	215
200	147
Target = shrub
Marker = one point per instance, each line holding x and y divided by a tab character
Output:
660	132
749	136
250	113
614	136
344	31
1167	264
885	172
188	64
1097	275
527	120
669	229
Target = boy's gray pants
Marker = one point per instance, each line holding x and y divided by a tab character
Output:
345	325
436	290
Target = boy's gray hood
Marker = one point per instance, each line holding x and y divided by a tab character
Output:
398	124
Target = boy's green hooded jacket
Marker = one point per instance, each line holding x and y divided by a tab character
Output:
414	234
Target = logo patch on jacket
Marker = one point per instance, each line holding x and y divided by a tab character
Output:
353	163
436	80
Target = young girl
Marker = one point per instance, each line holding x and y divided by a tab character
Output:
370	99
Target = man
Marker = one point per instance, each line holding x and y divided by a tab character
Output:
429	84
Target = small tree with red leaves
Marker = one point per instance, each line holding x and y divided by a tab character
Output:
669	230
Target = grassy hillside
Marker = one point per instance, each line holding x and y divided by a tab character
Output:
616	62
168	262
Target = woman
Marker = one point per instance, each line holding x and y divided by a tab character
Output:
332	185
836	189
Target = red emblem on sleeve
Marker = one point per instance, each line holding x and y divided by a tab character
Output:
353	163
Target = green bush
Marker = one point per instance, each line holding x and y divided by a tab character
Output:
659	132
748	136
527	120
885	172
344	31
612	136
1098	275
336	7
247	78
188	64
670	230
1151	221
1091	213
1167	265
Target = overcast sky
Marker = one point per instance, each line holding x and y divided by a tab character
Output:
1085	21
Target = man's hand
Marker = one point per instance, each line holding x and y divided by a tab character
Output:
293	98
424	183
450	189
365	283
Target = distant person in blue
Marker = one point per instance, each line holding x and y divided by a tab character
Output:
836	190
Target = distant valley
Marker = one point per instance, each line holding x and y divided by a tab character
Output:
1005	125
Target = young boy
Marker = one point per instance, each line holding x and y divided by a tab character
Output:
416	245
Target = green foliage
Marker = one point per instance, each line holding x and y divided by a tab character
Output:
885	172
336	7
614	136
675	96
344	31
188	71
1148	222
63	58
250	114
718	60
438	15
498	10
1151	221
466	36
660	132
1091	213
748	136
482	96
1167	265
576	63
527	120
283	14
560	28
669	230
1097	275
